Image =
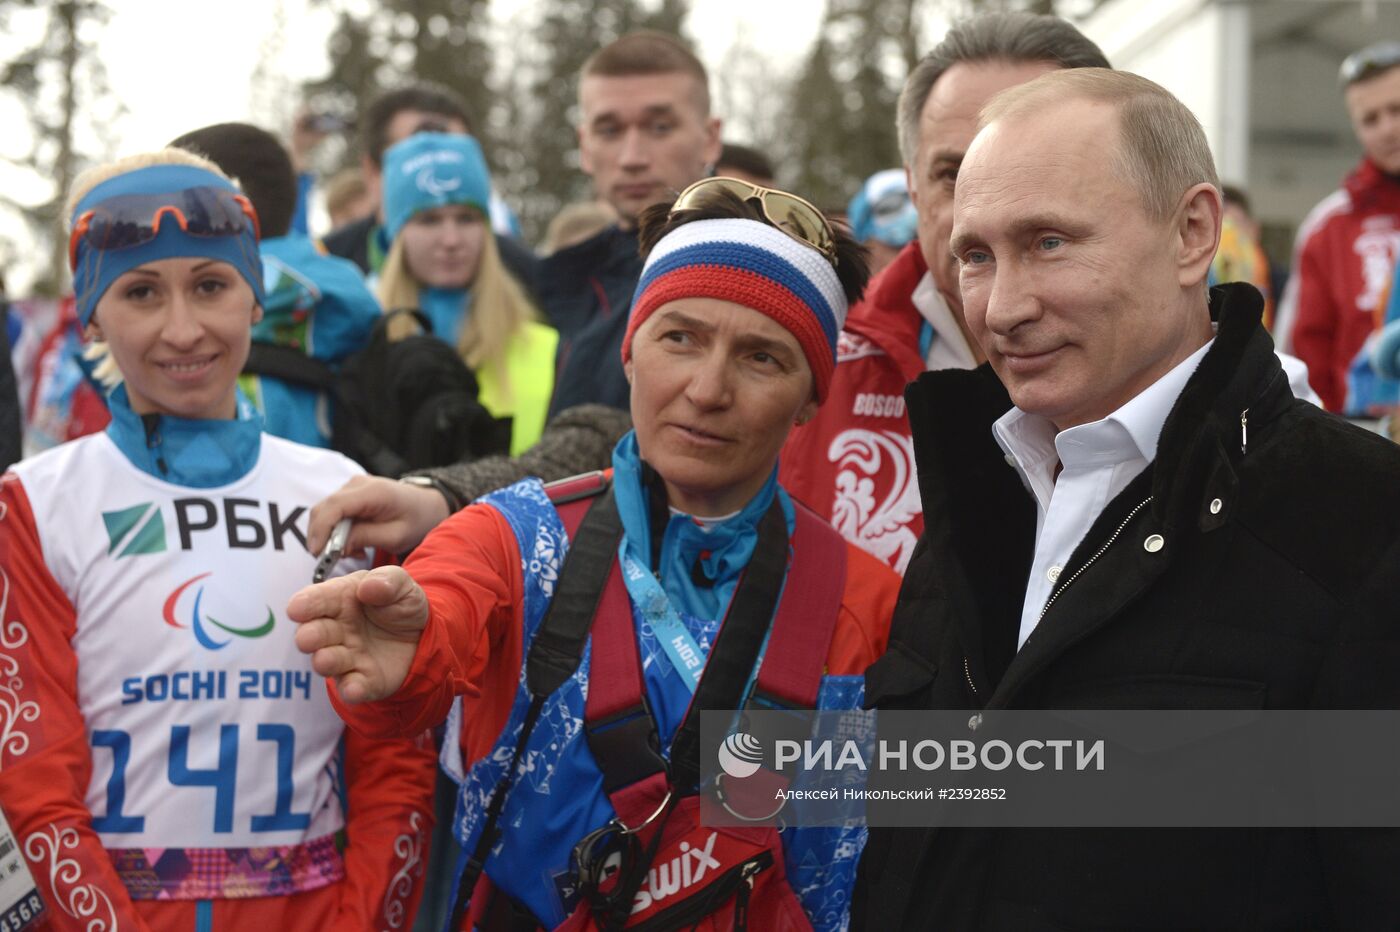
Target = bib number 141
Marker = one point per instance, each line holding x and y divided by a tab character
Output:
222	779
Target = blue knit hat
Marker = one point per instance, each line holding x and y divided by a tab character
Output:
882	210
429	170
94	270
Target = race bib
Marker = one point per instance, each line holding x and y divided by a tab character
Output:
20	904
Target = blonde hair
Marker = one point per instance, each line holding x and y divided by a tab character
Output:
577	222
105	368
499	307
1162	150
343	189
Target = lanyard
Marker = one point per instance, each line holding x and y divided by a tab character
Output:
657	611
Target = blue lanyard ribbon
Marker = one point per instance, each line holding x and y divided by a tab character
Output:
657	611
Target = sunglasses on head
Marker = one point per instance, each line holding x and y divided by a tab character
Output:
133	219
1369	61
788	212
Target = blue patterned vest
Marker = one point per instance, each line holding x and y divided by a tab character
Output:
558	793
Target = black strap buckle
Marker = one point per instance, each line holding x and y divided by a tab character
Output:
626	746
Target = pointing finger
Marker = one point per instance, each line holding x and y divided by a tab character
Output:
323	600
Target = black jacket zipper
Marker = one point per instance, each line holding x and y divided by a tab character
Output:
1090	562
151	422
967	667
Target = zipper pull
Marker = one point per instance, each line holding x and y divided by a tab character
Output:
151	423
1244	430
741	898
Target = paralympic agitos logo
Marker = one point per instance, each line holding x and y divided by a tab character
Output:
200	620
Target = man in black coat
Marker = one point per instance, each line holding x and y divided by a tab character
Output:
1127	509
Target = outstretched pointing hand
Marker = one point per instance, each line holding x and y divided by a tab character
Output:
362	630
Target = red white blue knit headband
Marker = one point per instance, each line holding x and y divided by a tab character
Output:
755	265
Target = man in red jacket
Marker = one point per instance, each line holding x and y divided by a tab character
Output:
1347	247
854	462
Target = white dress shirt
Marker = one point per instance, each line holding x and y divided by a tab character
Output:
949	349
1098	461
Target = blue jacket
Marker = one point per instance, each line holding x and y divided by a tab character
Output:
320	305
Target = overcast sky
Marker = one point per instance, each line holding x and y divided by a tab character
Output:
151	49
162	108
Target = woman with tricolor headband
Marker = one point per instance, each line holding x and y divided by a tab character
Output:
166	761
444	262
570	633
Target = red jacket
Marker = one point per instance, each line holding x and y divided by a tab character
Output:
1344	258
854	462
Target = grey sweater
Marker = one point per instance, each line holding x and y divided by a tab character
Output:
576	440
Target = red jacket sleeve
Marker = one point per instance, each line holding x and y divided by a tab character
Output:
45	760
388	823
469	567
1316	328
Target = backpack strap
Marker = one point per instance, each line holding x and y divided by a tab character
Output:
563	492
289	365
349	434
580	593
621	730
797	649
618	721
619	724
790	677
590	518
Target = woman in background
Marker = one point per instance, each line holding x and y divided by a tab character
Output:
443	261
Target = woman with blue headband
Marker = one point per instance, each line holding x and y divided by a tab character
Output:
166	759
443	261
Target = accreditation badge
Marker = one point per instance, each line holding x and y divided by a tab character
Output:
20	903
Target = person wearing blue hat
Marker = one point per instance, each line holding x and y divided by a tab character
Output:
317	305
444	262
166	759
883	217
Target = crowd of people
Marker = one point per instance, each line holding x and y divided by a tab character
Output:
1007	431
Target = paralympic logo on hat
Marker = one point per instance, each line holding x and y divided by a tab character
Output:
434	186
198	619
740	755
